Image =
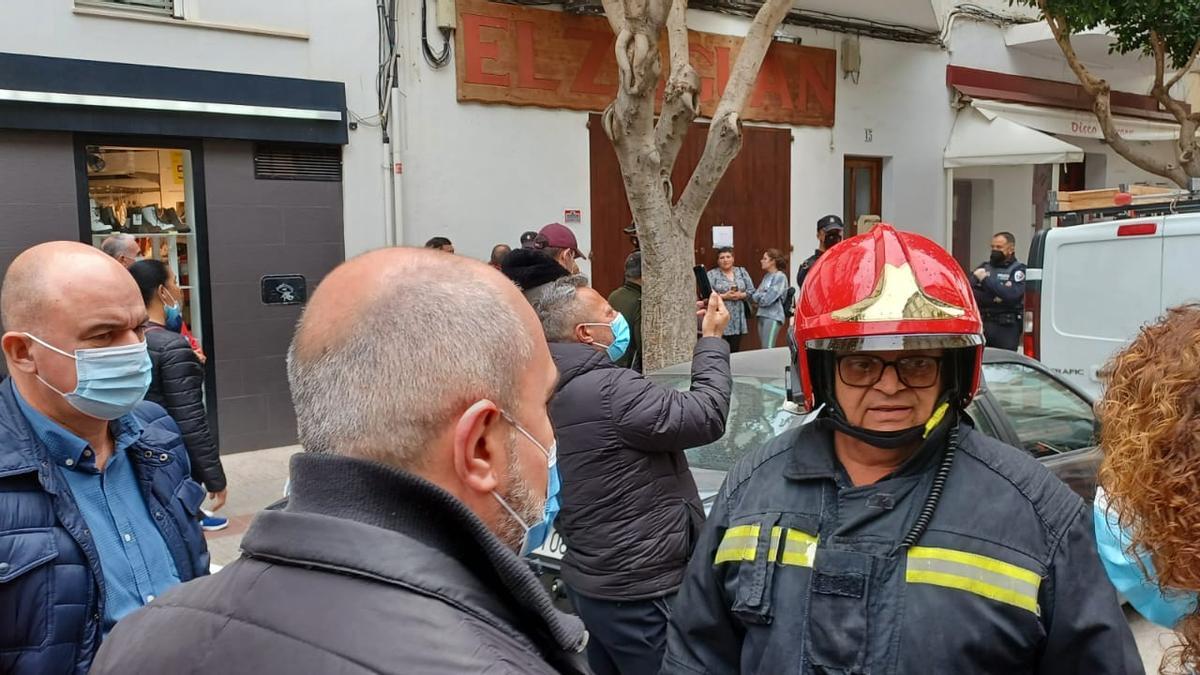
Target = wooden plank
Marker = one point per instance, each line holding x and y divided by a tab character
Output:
537	57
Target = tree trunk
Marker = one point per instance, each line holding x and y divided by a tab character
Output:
668	298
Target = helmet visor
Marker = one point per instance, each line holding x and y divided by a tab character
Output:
895	343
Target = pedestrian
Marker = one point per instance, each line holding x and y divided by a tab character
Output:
628	301
123	248
530	239
177	381
769	296
889	536
630	510
530	269
830	231
632	233
999	285
559	241
440	244
498	253
734	285
398	549
1150	431
97	509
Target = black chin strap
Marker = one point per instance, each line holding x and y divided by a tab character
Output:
835	420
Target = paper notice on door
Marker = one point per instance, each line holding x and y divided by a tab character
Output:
722	236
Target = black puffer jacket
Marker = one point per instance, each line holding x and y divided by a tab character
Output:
367	570
630	510
177	385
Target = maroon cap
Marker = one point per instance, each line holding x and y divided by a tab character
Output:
560	236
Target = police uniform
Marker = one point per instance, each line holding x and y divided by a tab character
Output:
1001	298
797	571
805	267
970	557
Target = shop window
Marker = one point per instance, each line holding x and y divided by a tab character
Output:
148	194
154	6
292	162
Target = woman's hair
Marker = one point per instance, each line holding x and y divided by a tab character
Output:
777	256
149	275
723	250
438	242
1150	432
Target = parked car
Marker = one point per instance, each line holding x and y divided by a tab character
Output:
1021	402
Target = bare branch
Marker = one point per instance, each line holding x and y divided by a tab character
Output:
1101	91
725	134
615	11
1186	68
681	101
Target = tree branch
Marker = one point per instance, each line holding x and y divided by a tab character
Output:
681	101
1186	149
725	133
1100	91
1187	67
615	11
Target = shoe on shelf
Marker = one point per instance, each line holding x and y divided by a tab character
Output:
98	227
212	523
108	217
170	216
150	216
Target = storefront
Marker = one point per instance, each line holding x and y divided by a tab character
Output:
232	180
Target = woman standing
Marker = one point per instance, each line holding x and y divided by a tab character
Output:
734	285
177	379
769	296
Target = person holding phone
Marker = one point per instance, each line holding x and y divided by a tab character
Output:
734	285
770	295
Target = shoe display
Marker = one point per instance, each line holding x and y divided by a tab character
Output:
98	227
109	217
150	217
135	225
172	217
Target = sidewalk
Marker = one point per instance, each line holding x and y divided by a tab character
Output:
255	481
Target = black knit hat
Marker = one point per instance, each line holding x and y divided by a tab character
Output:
529	268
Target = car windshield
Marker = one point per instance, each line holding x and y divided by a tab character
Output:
756	415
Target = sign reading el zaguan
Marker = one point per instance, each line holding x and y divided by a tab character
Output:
538	57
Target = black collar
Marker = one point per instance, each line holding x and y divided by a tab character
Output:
813	456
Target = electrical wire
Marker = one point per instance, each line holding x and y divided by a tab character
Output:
935	491
434	59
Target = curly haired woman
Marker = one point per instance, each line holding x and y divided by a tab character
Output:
1150	432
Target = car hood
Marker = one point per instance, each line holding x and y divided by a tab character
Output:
708	483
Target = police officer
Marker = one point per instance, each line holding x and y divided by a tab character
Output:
829	232
999	286
889	536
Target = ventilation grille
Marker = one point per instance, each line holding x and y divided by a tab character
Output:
289	162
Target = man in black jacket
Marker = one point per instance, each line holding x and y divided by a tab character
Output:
630	509
420	382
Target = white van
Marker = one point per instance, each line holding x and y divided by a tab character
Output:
1091	287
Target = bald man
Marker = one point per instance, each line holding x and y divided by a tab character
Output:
420	383
97	507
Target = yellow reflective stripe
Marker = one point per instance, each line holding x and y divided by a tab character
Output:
1007	596
776	534
973	573
976	560
800	549
935	419
738	544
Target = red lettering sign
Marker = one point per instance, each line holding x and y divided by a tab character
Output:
527	56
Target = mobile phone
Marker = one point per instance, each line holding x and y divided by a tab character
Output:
703	287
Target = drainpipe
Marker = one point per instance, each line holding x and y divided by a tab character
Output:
398	235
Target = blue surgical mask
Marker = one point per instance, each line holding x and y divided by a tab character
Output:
174	316
110	381
621	335
536	533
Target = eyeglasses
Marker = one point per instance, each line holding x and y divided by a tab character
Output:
864	370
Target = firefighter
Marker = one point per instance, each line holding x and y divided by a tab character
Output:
999	286
888	535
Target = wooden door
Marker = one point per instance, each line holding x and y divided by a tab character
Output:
961	244
863	190
754	197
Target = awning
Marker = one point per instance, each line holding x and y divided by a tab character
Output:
1080	123
980	140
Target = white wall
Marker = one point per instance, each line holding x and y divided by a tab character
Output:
1012	205
340	46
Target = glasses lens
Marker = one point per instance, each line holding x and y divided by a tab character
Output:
860	370
918	371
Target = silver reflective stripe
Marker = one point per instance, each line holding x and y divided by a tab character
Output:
974	573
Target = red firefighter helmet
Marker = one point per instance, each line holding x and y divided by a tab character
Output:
887	290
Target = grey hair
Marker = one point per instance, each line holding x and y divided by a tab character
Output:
558	307
420	352
117	245
633	266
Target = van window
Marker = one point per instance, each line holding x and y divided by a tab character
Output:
1048	417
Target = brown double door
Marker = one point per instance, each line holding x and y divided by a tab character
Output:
754	197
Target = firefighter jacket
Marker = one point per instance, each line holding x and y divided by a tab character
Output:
799	571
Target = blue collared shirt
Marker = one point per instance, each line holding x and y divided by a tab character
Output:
134	558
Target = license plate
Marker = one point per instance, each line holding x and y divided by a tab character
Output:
555	547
